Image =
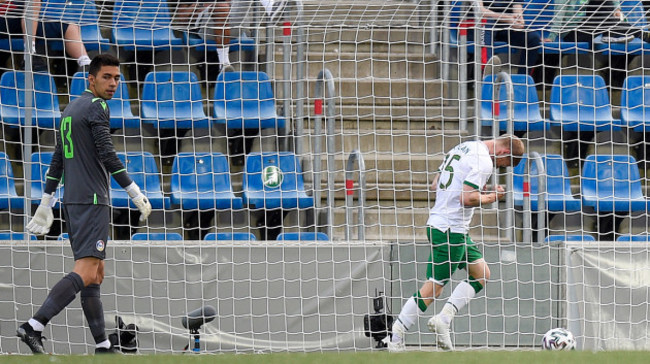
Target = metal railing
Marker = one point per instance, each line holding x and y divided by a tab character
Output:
501	79
324	86
534	157
355	156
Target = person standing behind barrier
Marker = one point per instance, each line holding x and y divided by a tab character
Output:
86	156
460	186
13	25
508	26
214	19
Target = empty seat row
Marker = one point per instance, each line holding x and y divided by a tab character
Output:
200	181
237	236
590	238
169	100
141	25
609	183
578	103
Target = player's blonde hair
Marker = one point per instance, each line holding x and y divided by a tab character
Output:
514	144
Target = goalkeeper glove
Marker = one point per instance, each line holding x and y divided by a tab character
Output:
140	200
43	218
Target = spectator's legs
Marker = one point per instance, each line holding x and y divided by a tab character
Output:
74	45
526	41
221	30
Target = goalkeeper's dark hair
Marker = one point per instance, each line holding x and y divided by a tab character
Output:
101	60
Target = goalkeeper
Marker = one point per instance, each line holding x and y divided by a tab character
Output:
86	157
460	187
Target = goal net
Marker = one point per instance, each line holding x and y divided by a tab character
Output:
288	148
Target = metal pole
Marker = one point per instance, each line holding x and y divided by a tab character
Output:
462	71
30	15
526	216
286	77
541	198
300	88
349	194
504	78
325	84
477	70
540	174
446	39
433	28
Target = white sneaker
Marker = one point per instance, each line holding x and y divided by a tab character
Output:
442	330
277	12
397	346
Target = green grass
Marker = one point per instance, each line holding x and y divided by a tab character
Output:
467	357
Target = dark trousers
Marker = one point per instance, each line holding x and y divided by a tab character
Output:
529	43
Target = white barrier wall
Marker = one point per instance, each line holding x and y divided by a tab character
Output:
608	295
274	296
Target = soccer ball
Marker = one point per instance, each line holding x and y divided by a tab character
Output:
558	339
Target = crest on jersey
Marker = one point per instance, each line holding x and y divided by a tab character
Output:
272	177
100	245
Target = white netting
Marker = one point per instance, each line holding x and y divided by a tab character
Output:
351	101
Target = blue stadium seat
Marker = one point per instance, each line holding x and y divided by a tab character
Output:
40	165
12	45
9	198
230	236
16	236
526	104
558	185
142	168
172	100
274	180
551	238
201	45
640	238
245	100
80	12
156	236
538	15
634	14
143	25
46	113
635	103
611	183
202	181
119	105
581	103
303	236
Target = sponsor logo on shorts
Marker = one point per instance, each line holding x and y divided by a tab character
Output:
100	245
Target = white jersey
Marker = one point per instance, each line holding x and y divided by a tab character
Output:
469	164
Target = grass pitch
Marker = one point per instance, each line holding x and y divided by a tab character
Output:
467	357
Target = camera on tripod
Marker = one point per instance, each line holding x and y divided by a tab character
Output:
378	324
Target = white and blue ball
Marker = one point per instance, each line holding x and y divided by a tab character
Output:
558	339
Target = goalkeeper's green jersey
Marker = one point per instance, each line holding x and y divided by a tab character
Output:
84	152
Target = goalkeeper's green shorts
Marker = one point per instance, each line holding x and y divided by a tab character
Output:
449	252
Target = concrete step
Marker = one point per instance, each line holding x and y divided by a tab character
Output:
395	117
377	91
359	65
396	141
398	39
359	12
410	224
